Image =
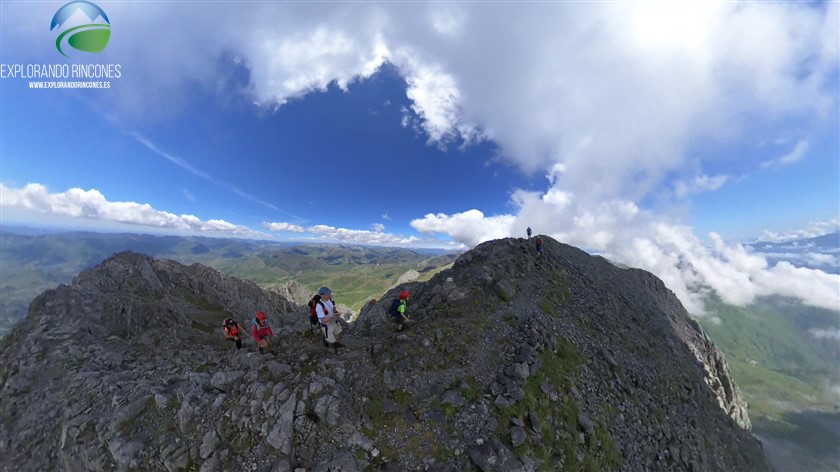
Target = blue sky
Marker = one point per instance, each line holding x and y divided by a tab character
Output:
652	133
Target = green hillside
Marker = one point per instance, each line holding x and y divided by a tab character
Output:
788	376
30	264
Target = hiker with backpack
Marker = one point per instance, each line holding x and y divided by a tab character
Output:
262	332
528	231
539	246
232	331
328	319
397	310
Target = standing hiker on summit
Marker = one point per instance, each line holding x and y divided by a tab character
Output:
529	232
328	318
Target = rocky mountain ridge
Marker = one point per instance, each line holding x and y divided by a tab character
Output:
511	362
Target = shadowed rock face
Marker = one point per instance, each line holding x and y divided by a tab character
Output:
511	362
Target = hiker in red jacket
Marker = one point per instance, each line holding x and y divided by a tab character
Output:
233	332
262	332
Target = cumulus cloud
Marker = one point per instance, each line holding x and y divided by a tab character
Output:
377	237
282	226
813	230
357	236
808	259
470	227
92	205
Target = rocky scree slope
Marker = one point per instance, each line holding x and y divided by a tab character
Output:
512	362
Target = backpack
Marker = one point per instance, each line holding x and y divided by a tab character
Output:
313	315
393	310
256	324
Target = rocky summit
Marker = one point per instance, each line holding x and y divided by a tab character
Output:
512	362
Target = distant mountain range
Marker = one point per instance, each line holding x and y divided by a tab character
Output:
33	260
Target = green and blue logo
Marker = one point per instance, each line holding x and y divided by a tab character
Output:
91	37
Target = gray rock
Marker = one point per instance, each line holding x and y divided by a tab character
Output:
125	417
208	444
280	437
585	423
224	381
521	371
327	408
212	464
517	436
123	451
161	401
178	460
453	397
535	422
483	456
282	465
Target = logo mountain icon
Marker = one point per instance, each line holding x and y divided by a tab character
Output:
91	37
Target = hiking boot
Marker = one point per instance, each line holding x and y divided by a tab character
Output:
337	345
326	344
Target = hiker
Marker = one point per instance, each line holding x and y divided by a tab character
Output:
328	318
397	310
529	232
232	331
539	246
262	332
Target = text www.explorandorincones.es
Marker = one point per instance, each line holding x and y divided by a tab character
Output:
69	85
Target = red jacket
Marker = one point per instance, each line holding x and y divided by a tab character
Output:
262	331
232	330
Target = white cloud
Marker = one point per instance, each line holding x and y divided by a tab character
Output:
189	196
687	71
702	183
797	154
814	229
92	205
831	333
282	226
818	259
619	230
376	237
357	236
470	227
386	217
